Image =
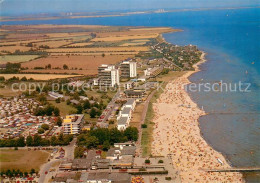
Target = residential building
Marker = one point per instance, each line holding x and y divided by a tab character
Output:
108	75
129	85
125	114
128	69
153	72
134	94
73	124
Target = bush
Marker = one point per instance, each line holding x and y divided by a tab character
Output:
144	125
160	161
147	161
142	169
40	131
168	178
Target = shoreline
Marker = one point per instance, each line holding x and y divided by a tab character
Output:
189	151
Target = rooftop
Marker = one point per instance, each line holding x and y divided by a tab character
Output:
126	110
122	121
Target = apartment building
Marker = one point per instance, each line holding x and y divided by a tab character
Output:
128	69
73	123
108	75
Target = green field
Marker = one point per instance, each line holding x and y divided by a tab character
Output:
64	108
17	58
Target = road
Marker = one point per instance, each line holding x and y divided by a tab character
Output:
69	155
146	105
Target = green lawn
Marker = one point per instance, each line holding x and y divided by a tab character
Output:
17	58
148	132
64	108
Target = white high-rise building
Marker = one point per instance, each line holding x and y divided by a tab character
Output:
108	75
128	69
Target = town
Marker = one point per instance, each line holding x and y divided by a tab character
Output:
93	129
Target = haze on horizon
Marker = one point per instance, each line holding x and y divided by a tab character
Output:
22	7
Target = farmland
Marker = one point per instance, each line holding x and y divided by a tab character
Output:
42	77
22	159
88	64
17	58
82	47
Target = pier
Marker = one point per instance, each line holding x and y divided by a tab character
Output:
246	169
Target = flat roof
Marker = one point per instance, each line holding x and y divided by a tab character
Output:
122	120
130	102
126	110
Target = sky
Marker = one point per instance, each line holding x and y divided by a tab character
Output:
19	7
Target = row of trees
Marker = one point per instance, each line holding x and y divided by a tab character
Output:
48	110
36	140
17	173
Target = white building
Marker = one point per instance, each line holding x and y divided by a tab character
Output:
125	114
108	75
128	69
55	95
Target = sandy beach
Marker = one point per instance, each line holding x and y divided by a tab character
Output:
176	132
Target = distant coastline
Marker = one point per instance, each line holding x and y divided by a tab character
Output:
97	15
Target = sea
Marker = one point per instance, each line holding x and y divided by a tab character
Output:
231	39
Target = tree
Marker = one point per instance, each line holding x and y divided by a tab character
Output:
92	113
24	79
131	133
65	67
59	121
86	105
40	131
106	145
53	140
45	127
103	55
37	140
29	141
20	142
32	171
92	142
79	152
79	109
56	111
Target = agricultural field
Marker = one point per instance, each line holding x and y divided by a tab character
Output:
81	47
88	64
22	159
16	58
40	77
99	49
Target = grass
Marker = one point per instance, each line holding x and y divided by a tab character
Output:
22	159
147	133
64	108
17	58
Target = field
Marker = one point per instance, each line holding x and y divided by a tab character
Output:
78	46
89	64
63	107
98	49
41	77
17	58
22	159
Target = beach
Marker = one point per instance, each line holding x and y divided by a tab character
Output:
177	134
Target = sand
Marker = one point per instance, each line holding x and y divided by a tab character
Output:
176	132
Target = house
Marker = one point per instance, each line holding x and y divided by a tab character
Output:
153	72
